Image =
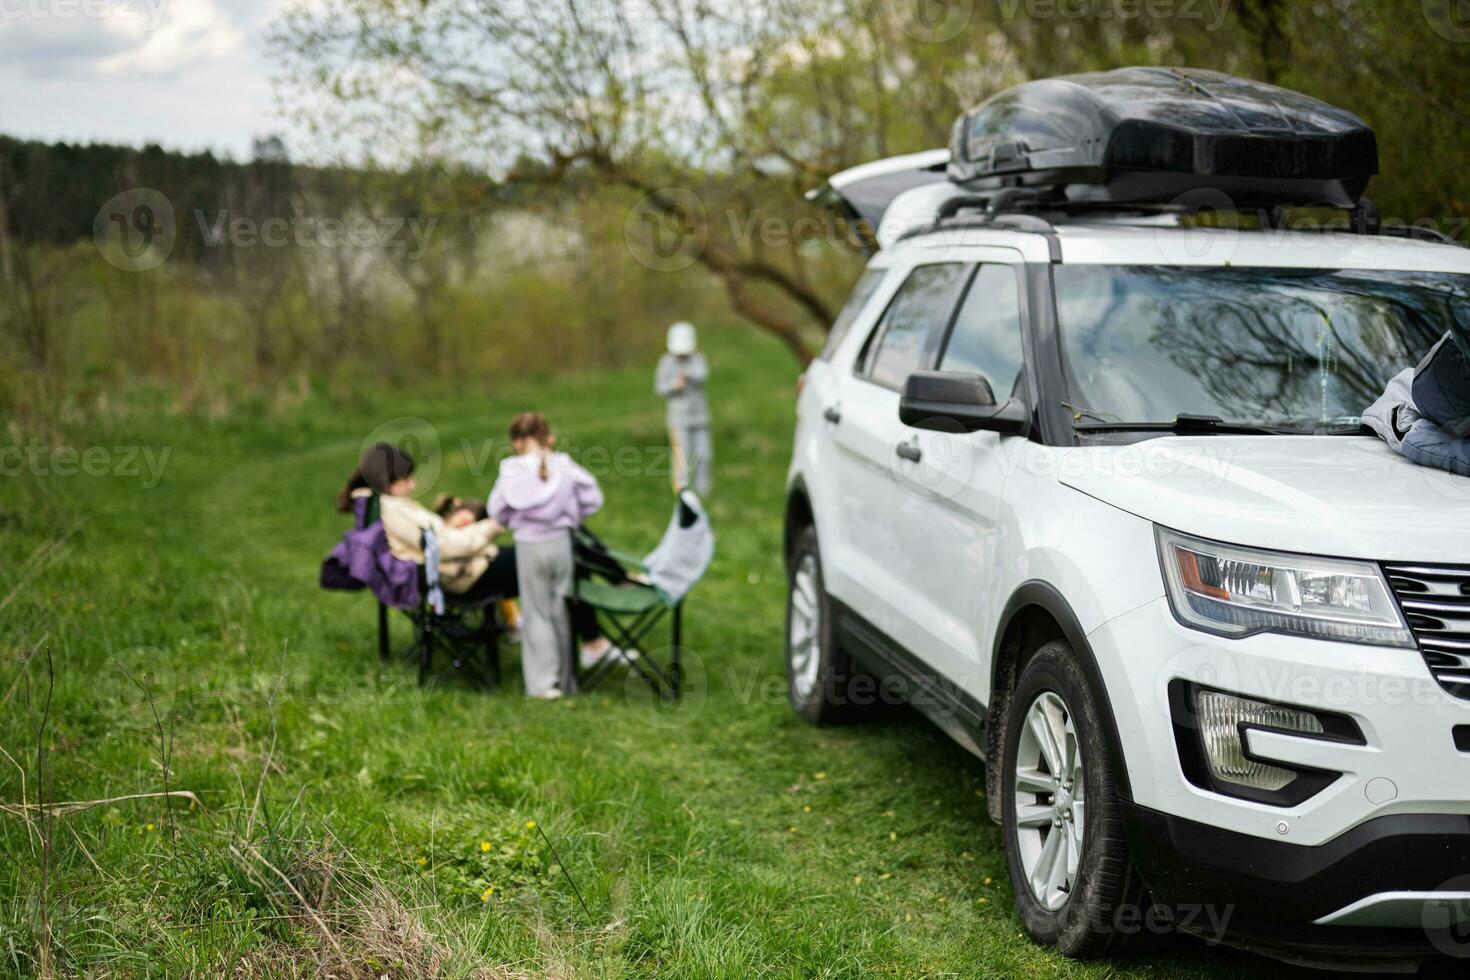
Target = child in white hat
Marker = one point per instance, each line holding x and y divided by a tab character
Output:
680	380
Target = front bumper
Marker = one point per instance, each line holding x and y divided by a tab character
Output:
1296	902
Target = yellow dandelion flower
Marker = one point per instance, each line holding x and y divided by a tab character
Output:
530	825
987	881
820	775
908	918
892	835
148	827
857	879
484	846
485	895
422	860
806	809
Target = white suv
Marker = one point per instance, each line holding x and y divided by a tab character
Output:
1092	493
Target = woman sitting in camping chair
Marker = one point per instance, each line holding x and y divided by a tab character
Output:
471	564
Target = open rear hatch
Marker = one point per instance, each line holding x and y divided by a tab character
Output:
862	194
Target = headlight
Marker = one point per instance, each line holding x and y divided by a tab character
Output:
1236	592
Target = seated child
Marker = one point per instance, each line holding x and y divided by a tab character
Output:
462	512
459	511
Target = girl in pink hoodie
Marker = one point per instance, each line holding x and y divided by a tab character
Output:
541	495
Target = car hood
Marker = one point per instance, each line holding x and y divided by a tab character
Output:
1343	496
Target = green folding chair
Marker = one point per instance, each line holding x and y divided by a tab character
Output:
632	596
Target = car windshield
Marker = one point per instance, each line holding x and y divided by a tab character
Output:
1306	349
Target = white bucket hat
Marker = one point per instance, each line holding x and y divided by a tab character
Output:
681	339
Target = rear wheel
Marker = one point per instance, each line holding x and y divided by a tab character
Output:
1071	874
821	681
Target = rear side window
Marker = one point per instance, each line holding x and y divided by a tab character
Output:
862	292
986	338
912	327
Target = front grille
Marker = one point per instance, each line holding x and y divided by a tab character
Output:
1436	602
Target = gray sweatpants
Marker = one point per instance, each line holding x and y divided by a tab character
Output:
544	572
694	454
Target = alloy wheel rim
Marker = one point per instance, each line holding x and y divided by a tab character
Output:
1050	803
803	639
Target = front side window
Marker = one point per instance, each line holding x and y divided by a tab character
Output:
986	338
908	336
1306	349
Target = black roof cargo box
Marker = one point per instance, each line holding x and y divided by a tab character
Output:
1148	135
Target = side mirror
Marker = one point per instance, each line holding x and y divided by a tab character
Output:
949	402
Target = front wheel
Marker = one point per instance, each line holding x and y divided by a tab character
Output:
1071	875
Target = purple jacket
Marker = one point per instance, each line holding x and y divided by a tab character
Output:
538	510
362	561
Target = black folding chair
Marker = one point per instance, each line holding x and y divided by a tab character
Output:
467	631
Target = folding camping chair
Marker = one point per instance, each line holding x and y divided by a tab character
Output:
466	630
632	596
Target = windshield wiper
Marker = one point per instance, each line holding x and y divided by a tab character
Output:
1194	425
1342	429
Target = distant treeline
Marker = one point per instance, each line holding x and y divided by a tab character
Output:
52	193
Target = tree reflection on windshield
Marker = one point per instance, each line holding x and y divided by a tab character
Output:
1274	346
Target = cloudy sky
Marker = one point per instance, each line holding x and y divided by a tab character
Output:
188	74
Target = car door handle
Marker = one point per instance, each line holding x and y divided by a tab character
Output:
832	414
909	451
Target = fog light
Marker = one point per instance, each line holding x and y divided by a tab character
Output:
1221	717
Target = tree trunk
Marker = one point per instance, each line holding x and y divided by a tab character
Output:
737	288
1266	20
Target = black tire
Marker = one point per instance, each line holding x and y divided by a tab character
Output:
830	690
1105	909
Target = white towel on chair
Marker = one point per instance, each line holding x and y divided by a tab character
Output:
685	553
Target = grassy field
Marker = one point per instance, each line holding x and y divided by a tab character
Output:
349	822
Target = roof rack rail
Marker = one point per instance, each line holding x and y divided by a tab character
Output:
1364	220
1039	210
948	216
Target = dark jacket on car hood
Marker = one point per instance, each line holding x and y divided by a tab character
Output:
1425	411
